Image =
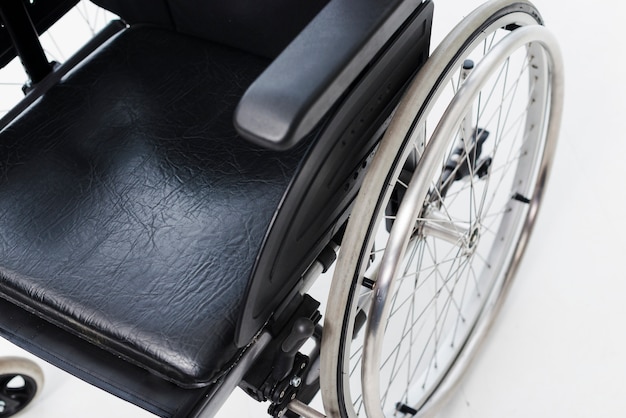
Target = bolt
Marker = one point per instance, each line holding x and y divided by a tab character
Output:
282	395
295	381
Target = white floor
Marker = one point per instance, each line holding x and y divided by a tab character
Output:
558	348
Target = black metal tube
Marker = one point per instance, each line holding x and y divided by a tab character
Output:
25	39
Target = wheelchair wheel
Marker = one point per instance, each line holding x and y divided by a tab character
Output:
443	216
20	381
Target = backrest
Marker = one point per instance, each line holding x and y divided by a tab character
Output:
263	27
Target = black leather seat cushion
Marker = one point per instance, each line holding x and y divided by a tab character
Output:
131	213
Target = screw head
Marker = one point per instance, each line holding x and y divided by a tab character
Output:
296	381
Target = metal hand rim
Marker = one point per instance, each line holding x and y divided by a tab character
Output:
418	190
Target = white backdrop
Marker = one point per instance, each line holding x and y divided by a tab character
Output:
558	348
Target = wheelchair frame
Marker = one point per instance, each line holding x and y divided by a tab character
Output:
278	317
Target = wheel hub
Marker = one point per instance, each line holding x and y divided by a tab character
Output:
472	240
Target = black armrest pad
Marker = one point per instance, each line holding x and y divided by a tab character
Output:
287	101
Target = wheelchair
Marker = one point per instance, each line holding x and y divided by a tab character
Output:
170	194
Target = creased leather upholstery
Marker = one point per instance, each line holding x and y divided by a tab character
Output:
131	213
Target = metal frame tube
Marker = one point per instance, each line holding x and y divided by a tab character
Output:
25	39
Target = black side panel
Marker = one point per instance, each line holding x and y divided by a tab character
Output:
318	201
43	14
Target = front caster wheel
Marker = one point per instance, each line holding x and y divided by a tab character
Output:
20	381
